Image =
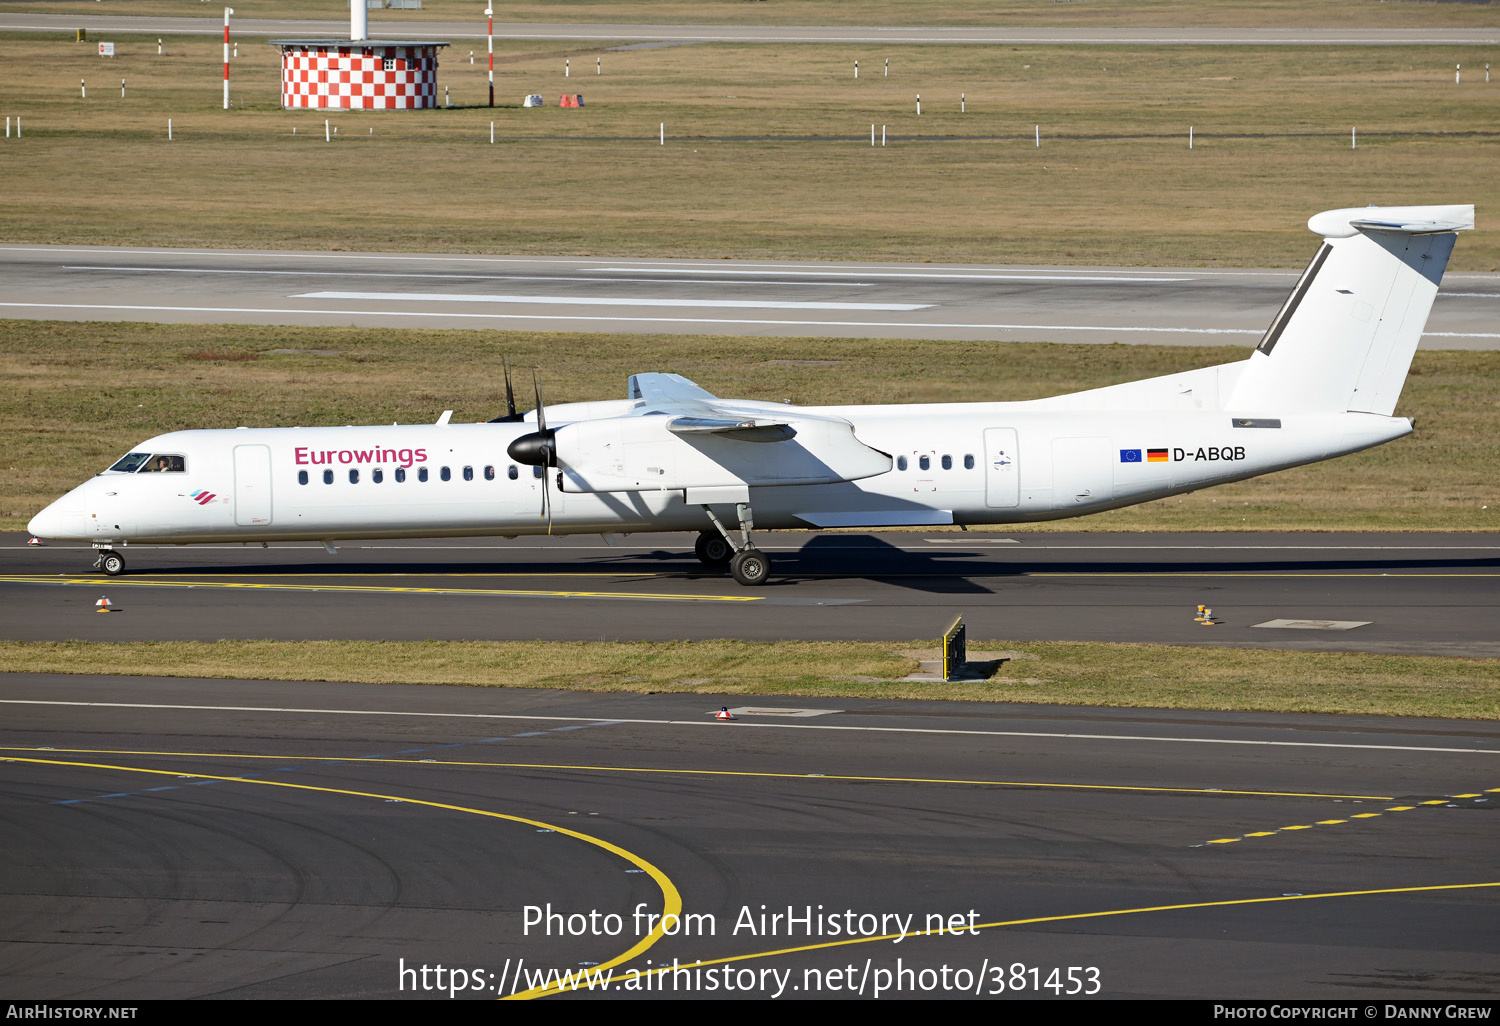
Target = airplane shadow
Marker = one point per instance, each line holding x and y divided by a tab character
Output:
954	570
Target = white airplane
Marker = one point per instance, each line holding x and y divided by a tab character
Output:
1323	382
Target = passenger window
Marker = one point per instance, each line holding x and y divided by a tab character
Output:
445	474
968	461
302	477
947	462
328	477
353	476
400	474
377	475
900	462
468	473
421	473
925	462
512	473
538	473
489	473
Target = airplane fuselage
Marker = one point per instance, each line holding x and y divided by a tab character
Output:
970	464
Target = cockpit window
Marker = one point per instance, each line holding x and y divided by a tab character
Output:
130	464
164	463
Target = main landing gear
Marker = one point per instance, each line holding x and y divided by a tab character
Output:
110	561
747	564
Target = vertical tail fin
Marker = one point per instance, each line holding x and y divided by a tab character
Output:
1344	339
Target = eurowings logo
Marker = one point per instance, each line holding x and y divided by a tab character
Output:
202	496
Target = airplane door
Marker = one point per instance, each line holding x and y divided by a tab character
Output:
252	485
1002	477
1082	473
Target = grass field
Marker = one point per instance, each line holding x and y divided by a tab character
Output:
767	152
80	395
1168	13
1142	676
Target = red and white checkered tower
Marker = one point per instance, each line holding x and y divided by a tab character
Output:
357	73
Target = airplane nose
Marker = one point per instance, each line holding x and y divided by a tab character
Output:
61	521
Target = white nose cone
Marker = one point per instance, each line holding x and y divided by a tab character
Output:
61	521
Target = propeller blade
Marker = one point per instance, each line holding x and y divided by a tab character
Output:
511	416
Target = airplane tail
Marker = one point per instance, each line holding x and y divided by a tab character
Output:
1344	339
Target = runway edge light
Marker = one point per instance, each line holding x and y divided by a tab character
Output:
724	714
103	605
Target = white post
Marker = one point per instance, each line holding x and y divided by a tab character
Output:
1038	136
1190	136
122	89
7	130
236	49
1486	71
887	67
1354	138
492	133
83	88
856	69
489	15
963	102
158	48
882	135
919	105
663	133
567	68
598	65
872	131
327	135
169	129
227	12
1456	69
471	56
446	101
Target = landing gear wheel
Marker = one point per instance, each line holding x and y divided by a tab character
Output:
112	563
712	549
750	567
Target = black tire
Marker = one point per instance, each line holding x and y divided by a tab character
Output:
750	567
112	563
712	549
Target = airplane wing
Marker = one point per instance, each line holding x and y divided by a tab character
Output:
682	436
666	388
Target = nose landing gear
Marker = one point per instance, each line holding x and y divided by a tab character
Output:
110	561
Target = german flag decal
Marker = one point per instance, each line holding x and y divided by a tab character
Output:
1156	456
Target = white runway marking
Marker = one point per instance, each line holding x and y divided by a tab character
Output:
955	325
747	725
728	272
456	277
725	304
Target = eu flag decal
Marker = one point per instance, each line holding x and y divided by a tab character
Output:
1130	455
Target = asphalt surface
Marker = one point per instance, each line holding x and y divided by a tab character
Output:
195	838
896	36
1162	306
1433	594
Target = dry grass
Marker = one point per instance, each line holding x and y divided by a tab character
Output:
1142	676
767	152
80	395
1163	13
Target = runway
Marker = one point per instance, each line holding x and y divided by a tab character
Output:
1163	306
892	35
185	838
1436	594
